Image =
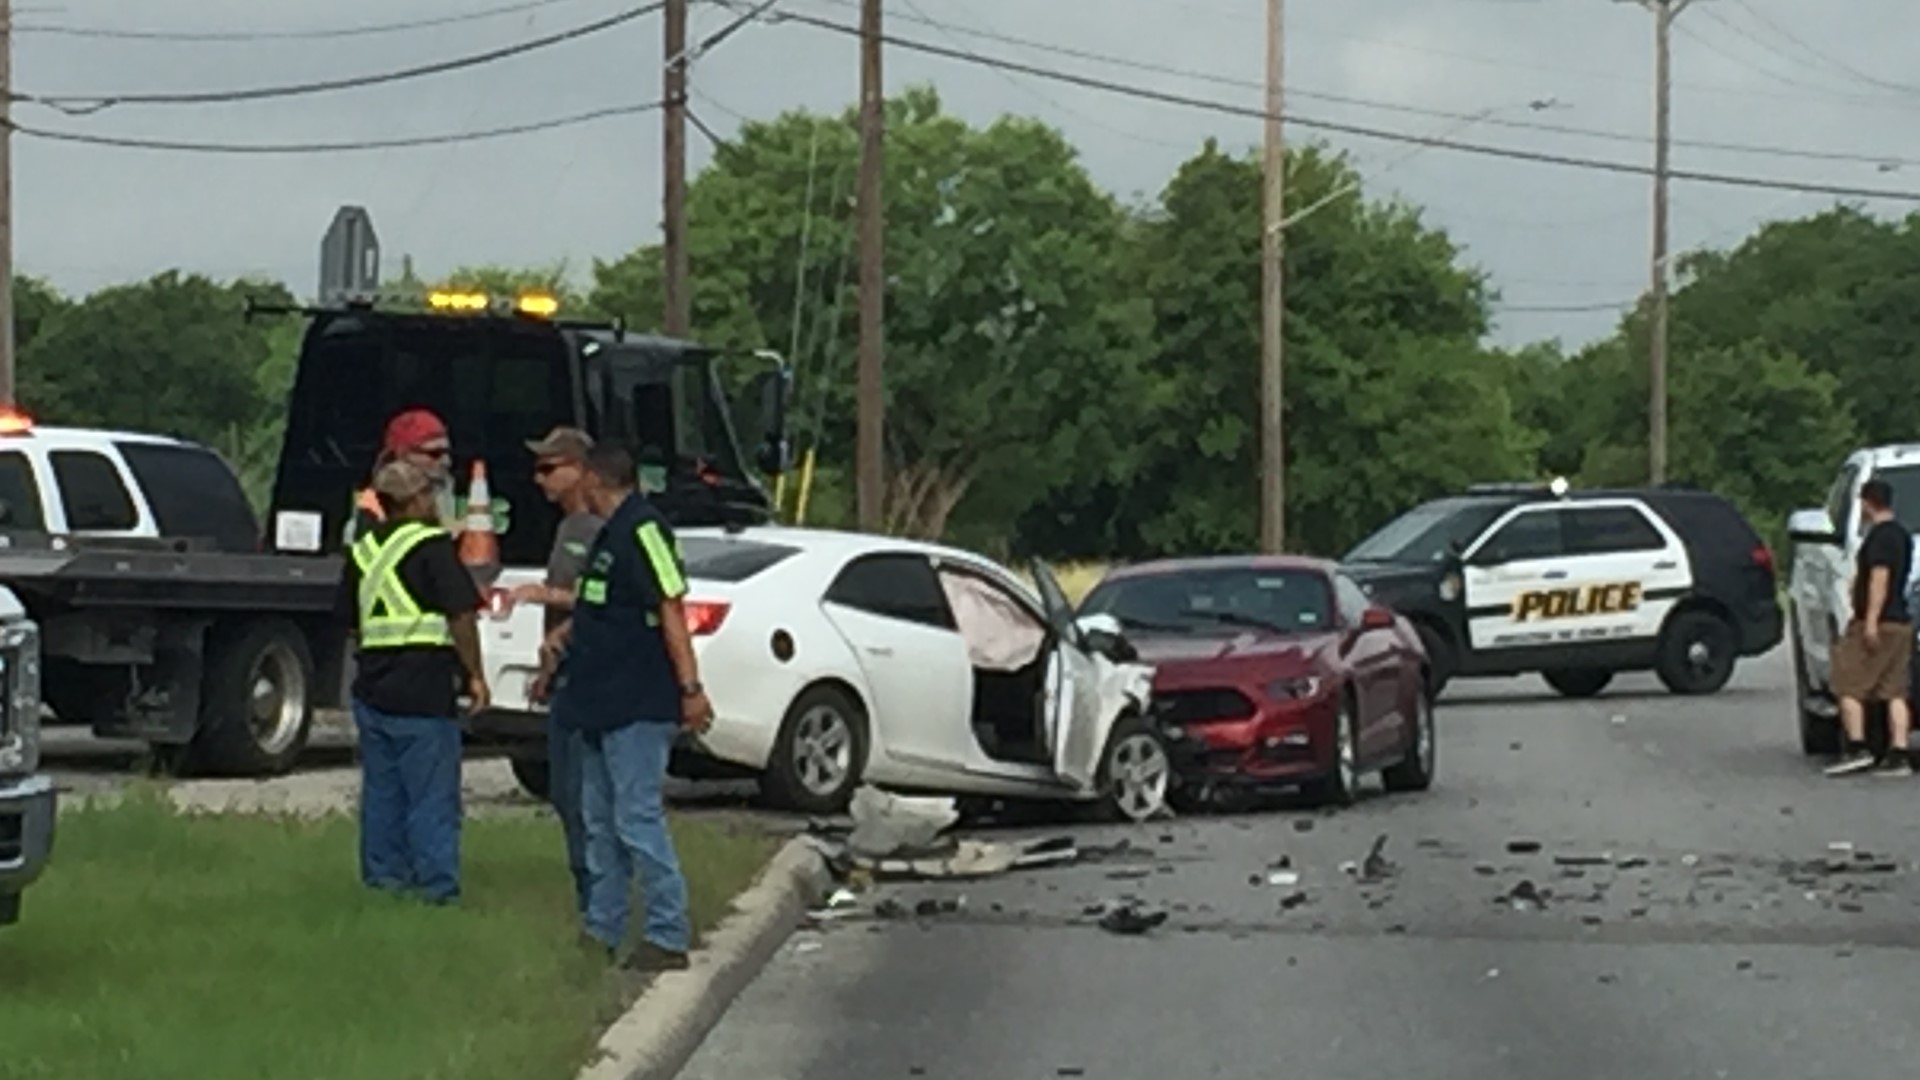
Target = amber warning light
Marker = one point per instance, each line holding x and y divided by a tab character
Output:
535	305
15	422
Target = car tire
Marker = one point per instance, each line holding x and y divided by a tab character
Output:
820	753
1578	682
535	777
1136	777
1819	735
1440	657
256	701
1696	653
1339	787
1415	771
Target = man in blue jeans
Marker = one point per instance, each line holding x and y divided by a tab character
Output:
414	612
632	685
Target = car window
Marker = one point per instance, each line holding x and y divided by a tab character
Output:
1904	480
1353	600
19	494
92	492
895	586
711	559
1607	530
1214	600
1536	534
193	494
1840	499
1430	532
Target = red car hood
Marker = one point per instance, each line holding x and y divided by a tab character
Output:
1182	655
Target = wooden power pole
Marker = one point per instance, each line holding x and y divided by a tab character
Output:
6	202
1273	296
1664	12
871	441
678	289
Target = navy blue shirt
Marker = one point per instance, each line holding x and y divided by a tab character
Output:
618	670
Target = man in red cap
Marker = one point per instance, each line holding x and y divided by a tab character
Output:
419	437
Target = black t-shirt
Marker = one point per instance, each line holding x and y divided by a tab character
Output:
618	670
413	680
1887	544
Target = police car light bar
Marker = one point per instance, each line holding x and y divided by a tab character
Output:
1557	487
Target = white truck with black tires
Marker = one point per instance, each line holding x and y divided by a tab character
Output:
26	797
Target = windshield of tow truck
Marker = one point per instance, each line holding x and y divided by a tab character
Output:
663	400
1430	532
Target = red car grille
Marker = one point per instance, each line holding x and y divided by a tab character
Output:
1201	706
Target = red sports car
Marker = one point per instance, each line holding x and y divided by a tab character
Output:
1275	671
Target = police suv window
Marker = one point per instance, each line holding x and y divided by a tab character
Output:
193	494
1536	534
1607	530
893	586
91	492
19	494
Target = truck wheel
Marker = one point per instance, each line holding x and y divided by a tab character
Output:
256	701
1697	653
9	908
535	777
1578	682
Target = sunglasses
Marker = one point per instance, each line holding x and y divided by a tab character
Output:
548	468
436	452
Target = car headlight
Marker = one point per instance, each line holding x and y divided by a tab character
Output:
1450	588
1294	689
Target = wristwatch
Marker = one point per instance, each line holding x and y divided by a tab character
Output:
692	689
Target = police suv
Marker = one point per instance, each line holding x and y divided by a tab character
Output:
1576	586
1826	542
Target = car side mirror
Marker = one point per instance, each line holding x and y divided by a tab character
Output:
1376	618
1812	527
1103	634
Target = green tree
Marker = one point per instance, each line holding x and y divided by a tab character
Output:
1012	344
35	304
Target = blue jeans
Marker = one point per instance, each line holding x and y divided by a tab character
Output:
409	803
623	774
564	749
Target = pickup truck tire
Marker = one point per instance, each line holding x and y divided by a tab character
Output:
256	702
1696	653
1578	682
9	908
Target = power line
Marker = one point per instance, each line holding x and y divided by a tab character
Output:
346	146
1821	55
1565	309
1368	103
1539	157
91	103
64	30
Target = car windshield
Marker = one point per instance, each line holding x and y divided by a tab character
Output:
1278	601
1429	532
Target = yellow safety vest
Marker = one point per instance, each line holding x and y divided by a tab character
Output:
390	618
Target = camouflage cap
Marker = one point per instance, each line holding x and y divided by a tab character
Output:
401	480
562	442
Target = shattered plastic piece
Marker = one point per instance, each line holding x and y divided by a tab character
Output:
1617	719
1842	846
886	825
1069	1070
1350	868
1283	877
1493	973
1130	921
1689	860
890	909
1522	847
1133	874
1376	865
1292	900
806	946
1582	860
1303	824
1526	894
1631	862
842	898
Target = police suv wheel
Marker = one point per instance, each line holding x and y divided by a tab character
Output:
1578	682
1697	653
535	777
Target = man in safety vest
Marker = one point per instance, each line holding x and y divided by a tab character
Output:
414	609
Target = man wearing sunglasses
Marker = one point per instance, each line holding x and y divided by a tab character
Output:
418	437
560	469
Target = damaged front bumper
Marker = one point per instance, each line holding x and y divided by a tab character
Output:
1272	749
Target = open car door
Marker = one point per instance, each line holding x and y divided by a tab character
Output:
1078	729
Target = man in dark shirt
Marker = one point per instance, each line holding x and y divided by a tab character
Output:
560	468
1872	658
632	685
414	611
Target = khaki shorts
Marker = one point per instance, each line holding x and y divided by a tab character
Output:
1878	673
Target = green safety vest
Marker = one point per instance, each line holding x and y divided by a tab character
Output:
390	618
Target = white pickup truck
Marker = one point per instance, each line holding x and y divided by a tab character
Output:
1826	542
26	797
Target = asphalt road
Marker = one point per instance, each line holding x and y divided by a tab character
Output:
1736	949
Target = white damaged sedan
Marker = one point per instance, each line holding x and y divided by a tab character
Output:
835	659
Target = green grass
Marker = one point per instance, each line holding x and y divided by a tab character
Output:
161	946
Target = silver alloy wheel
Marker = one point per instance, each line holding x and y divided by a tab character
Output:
1346	754
822	750
1423	735
1139	774
277	702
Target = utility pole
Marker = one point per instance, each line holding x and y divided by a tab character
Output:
679	299
1273	296
6	202
1664	12
871	393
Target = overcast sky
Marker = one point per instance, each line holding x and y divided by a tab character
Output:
1780	74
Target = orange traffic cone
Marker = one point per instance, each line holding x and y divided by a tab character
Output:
479	547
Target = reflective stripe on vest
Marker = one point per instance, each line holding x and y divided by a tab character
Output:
390	618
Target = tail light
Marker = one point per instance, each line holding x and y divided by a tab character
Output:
705	616
1763	558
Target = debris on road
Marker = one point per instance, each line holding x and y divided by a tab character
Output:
1526	896
1523	847
1128	920
1376	866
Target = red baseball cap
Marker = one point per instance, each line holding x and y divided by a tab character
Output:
411	430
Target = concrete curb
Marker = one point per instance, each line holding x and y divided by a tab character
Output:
655	1038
